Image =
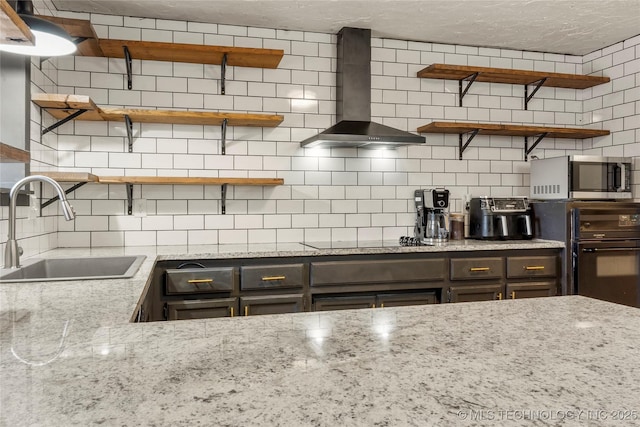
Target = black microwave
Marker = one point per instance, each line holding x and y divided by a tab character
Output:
581	178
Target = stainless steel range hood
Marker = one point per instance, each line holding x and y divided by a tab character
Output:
353	109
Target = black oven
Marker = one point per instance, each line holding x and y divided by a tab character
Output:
606	253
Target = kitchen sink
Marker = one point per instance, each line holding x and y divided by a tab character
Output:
50	269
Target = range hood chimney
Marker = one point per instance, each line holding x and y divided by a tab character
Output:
353	109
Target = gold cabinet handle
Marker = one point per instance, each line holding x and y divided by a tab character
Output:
272	278
200	281
533	267
499	295
513	294
373	306
231	311
246	310
479	269
381	305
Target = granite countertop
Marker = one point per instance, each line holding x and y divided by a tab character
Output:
69	356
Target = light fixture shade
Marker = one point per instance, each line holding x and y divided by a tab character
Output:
50	39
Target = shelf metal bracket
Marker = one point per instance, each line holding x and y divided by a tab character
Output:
127	60
53	199
223	199
527	149
63	121
223	139
129	199
472	78
223	71
129	126
527	97
463	146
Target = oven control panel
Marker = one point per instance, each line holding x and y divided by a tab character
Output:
632	220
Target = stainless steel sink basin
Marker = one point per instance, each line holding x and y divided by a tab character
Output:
50	269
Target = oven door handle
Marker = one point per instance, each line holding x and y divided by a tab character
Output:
623	175
591	250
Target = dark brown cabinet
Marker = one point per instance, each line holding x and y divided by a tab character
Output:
344	302
201	309
199	280
530	290
407	298
468	293
257	305
272	277
257	286
340	273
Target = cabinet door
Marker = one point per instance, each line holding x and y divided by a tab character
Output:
468	293
290	303
532	266
199	280
202	309
531	290
344	303
408	298
272	276
476	268
382	271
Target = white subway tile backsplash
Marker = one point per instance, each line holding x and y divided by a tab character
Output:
329	194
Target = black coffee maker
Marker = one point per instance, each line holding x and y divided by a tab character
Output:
432	215
500	218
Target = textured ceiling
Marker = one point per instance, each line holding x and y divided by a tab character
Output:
560	26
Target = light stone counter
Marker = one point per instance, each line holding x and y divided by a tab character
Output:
68	356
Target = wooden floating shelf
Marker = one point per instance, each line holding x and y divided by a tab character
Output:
9	154
540	132
172	180
79	28
62	106
537	79
191	53
69	176
82	178
13	30
161	51
505	75
511	130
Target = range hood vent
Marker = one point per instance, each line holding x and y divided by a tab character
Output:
353	109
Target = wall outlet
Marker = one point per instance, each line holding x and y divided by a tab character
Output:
140	207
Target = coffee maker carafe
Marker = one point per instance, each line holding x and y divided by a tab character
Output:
500	218
432	215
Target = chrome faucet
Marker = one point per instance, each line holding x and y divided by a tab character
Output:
12	252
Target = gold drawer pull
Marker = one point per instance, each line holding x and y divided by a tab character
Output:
373	306
479	269
533	267
272	278
231	311
381	305
499	295
513	294
246	310
200	281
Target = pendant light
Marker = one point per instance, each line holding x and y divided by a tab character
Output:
50	39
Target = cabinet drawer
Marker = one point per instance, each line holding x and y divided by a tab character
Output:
344	303
202	309
368	272
531	290
272	277
290	303
532	266
408	298
476	268
468	293
199	280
